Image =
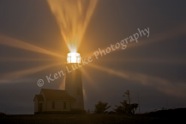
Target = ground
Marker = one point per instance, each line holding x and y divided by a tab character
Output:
164	116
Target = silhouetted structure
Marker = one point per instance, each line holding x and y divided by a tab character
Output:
55	101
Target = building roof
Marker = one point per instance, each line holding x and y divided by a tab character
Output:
51	94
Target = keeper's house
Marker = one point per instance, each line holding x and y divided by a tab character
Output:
53	101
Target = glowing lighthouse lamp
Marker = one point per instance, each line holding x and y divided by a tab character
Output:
73	57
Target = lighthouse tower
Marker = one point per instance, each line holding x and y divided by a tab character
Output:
73	83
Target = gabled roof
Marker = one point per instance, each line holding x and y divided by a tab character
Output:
51	94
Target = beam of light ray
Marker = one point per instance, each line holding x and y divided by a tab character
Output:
174	32
109	71
15	81
165	86
163	36
87	76
170	61
26	72
73	17
89	79
4	40
22	59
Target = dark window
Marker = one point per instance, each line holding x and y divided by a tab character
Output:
53	105
64	105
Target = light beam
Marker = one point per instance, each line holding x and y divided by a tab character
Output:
73	17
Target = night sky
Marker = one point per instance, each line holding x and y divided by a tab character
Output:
154	69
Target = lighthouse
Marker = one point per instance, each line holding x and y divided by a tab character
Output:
73	82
